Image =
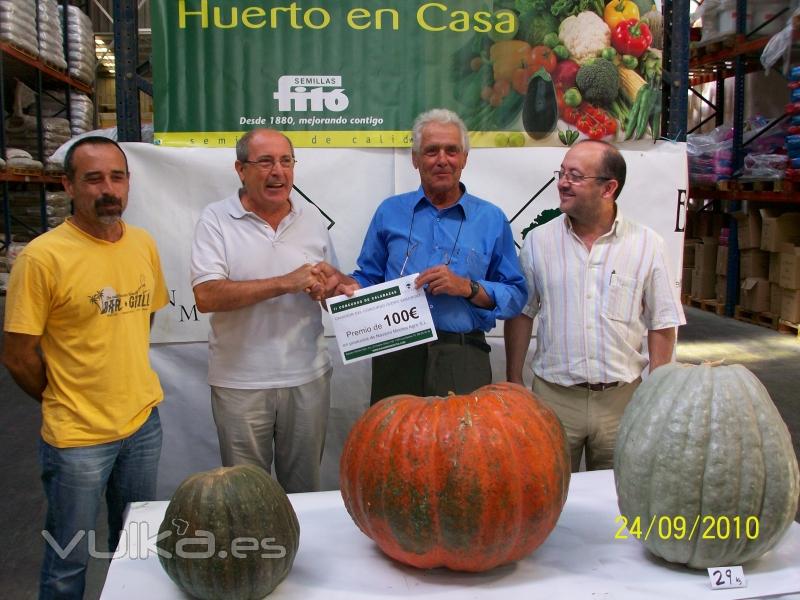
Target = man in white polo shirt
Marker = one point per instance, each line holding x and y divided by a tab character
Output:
597	281
269	368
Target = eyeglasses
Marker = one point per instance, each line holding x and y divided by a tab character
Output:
268	163
576	179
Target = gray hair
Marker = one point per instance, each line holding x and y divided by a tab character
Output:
243	143
442	116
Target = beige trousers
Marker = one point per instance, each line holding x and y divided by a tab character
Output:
293	420
590	419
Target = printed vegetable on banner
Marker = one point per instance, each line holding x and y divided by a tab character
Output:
355	73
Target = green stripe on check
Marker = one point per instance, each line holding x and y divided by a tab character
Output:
386	345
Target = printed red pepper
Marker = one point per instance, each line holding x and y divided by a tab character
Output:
631	37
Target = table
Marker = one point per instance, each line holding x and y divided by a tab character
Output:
580	559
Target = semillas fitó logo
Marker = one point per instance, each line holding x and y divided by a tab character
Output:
313	93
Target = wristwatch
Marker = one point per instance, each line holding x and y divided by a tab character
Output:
474	288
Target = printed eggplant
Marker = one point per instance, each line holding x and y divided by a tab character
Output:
540	109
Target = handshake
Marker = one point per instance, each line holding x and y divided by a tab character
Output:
321	281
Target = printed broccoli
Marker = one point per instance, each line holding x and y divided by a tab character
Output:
598	81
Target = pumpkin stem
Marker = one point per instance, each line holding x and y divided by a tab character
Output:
713	363
451	393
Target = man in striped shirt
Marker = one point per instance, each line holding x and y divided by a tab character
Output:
597	282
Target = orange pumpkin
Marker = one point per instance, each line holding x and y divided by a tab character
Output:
465	482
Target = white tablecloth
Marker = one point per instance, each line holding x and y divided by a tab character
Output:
580	559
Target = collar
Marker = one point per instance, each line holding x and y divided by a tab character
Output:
464	204
68	221
236	209
616	226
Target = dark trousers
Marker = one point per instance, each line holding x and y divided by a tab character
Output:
457	363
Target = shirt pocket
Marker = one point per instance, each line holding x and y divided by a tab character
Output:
623	299
474	262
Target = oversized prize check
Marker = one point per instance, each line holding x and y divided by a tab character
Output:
381	318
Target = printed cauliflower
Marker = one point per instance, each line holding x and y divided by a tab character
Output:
584	35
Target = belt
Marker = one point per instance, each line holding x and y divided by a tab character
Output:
473	338
598	387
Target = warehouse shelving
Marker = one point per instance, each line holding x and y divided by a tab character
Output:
735	56
17	64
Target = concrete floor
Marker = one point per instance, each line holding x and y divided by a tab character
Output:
773	357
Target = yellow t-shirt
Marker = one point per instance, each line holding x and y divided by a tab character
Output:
91	301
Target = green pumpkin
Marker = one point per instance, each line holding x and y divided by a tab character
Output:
706	443
229	533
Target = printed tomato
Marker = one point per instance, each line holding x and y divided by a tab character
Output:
541	57
593	121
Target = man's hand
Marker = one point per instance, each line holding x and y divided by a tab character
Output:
22	359
302	279
441	280
334	281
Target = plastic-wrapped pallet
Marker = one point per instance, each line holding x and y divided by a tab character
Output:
81	58
51	37
18	25
21	132
81	109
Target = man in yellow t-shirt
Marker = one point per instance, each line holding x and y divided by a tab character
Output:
77	324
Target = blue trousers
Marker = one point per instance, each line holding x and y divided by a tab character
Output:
74	480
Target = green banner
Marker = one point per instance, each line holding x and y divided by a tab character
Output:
355	73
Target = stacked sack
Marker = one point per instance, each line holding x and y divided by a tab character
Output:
22	132
51	37
22	129
18	25
80	39
793	137
81	109
27	210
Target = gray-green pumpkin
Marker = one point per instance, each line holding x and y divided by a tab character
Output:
706	443
229	533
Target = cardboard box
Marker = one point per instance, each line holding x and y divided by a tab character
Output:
709	224
789	267
775	296
753	263
790	305
776	231
774	267
720	289
754	294
749	230
705	256
722	260
703	283
686	281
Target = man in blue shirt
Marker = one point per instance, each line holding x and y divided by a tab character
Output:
463	249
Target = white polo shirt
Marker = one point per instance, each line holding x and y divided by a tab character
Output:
594	306
277	342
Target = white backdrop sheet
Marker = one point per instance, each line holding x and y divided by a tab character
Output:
171	186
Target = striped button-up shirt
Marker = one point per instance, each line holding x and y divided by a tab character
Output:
595	305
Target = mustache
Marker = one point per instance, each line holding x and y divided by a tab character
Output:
106	200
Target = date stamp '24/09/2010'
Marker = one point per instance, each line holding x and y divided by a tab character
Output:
678	527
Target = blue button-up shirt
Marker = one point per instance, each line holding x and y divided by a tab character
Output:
474	235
